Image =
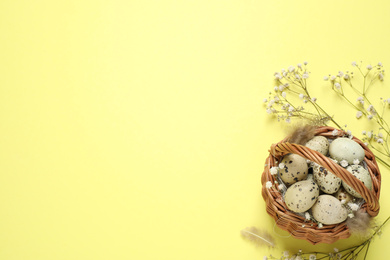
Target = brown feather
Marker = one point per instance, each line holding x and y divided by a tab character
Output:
302	133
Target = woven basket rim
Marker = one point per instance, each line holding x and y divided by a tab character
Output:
296	224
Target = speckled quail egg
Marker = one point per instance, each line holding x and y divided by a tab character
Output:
328	210
362	174
319	144
326	180
343	196
346	149
293	168
301	196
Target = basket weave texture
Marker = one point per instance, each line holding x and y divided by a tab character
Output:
296	224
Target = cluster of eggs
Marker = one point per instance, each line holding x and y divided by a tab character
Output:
321	192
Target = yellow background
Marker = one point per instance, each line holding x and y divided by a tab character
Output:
136	129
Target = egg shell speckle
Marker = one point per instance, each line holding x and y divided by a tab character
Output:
346	149
342	195
328	210
362	174
326	180
319	144
301	196
295	169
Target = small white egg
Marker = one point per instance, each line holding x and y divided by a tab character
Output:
362	174
301	196
328	210
319	144
346	149
293	168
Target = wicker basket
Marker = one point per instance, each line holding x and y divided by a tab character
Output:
294	223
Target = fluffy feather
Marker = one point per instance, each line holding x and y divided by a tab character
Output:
360	224
300	134
261	238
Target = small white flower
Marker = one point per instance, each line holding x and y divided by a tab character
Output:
354	63
320	225
268	184
380	76
299	65
351	215
369	134
335	132
380	135
359	114
269	111
301	96
276	89
265	100
380	64
291	109
281	165
340	74
288	120
364	132
314	99
286	254
344	163
281	186
369	67
379	141
307	216
336	250
369	117
277	75
326	78
284	74
297	76
312	257
305	63
265	258
337	85
332	78
284	94
281	87
305	75
356	161
274	170
346	76
388	100
291	69
342	202
353	206
349	132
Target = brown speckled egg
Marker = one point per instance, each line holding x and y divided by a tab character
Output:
293	168
362	174
326	180
301	196
328	210
344	196
319	144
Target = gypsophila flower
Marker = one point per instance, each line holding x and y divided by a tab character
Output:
320	225
286	254
326	78
337	85
281	87
299	65
284	94
335	132
307	216
265	100
359	114
344	163
265	258
351	215
380	76
336	250
305	63
269	111
356	161
364	132
380	135
353	206
312	257
291	69
332	78
342	202
370	117
281	186
369	134
305	75
276	88
360	100
354	63
281	165
268	184
349	132
274	170
346	76
301	96
369	67
288	120
379	141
